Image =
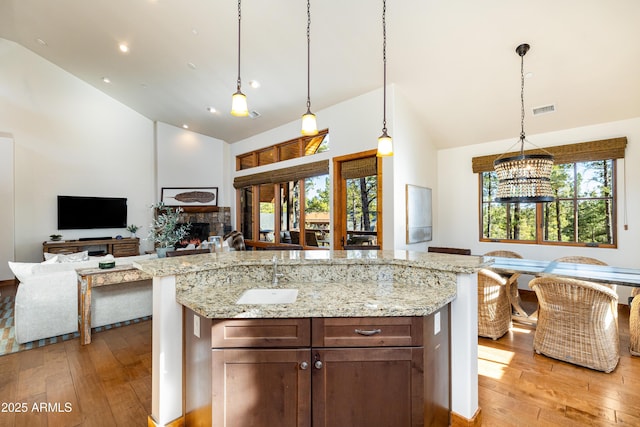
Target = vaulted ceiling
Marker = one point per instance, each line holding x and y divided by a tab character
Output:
453	60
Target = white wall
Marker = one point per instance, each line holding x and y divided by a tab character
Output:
188	159
415	163
70	139
458	200
7	219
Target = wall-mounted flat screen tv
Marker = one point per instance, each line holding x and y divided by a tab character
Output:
77	212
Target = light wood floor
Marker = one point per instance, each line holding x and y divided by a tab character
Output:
520	388
108	383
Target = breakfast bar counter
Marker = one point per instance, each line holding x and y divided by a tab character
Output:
309	290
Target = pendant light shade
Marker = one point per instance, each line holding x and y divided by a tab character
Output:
239	106
525	178
385	143
309	124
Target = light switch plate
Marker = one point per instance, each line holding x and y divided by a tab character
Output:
196	325
436	323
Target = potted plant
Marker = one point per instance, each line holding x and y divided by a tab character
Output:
165	230
132	229
55	237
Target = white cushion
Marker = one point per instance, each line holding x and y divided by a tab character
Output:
23	270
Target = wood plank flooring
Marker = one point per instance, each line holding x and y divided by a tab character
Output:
520	388
108	383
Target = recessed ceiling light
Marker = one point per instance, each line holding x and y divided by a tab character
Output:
123	47
194	31
529	75
254	84
41	42
212	110
191	65
106	79
185	126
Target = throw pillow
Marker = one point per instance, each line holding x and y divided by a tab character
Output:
75	257
23	270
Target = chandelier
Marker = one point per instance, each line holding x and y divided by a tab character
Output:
525	178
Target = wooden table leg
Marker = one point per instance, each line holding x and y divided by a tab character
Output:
84	309
520	314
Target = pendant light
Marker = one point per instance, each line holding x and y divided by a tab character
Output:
525	178
309	124
239	100
385	143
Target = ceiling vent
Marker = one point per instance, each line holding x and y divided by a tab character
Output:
551	108
254	114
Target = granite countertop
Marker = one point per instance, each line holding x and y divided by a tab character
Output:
186	264
329	283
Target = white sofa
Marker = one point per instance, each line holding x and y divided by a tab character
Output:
46	303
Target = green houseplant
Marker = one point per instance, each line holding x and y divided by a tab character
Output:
132	229
165	230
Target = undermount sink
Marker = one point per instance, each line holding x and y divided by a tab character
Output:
268	296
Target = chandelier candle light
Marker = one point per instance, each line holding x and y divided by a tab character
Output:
525	178
239	100
309	124
385	143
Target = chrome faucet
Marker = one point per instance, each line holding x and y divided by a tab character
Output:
276	275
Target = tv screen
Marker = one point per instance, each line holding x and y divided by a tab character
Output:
76	213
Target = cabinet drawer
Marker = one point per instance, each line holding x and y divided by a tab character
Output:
367	332
125	250
63	250
261	333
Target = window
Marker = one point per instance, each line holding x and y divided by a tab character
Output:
288	205
583	212
298	147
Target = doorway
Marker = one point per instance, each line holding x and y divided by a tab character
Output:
357	204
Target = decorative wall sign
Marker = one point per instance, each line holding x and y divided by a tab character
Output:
419	228
190	196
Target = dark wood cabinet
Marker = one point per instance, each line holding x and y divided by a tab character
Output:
256	387
326	372
364	387
127	246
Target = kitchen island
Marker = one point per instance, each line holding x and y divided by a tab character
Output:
398	300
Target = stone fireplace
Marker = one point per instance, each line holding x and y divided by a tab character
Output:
205	222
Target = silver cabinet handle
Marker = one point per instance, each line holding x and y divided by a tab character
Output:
304	365
369	332
318	364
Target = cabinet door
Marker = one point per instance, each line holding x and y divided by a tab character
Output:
261	387
364	387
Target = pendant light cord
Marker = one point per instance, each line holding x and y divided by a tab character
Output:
384	66
239	21
308	55
522	135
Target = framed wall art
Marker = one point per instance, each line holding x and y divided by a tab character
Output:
419	228
189	196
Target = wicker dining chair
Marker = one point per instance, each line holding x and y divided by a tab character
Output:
577	322
494	306
634	323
